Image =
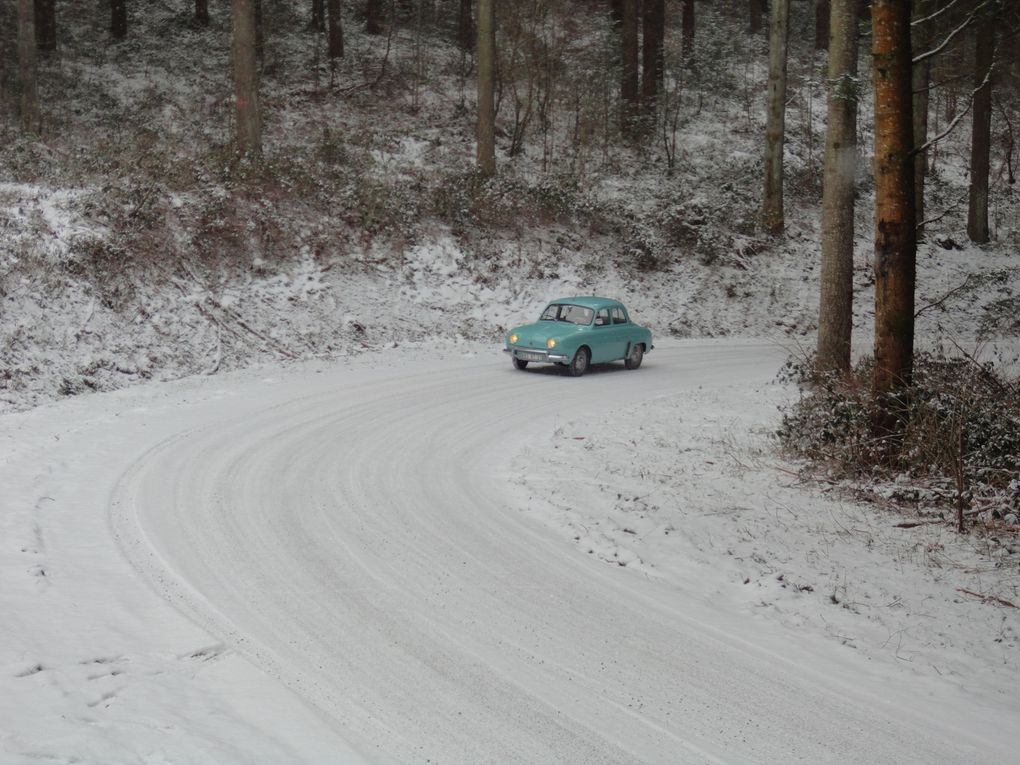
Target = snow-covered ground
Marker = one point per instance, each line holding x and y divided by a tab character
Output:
417	557
402	551
355	535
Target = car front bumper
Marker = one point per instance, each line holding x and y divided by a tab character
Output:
536	355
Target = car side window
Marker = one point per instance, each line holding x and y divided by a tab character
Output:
575	314
619	317
602	317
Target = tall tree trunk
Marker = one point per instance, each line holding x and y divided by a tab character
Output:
756	13
895	236
374	17
981	131
318	22
260	32
922	37
46	25
465	26
27	102
822	12
336	30
202	12
864	11
775	131
118	19
653	29
835	308
486	56
630	97
687	39
616	13
246	89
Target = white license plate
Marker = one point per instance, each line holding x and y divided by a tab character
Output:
525	356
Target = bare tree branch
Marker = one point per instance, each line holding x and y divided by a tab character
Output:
1010	141
952	35
956	120
935	15
945	213
987	598
943	83
942	300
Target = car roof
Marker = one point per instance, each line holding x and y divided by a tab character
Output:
589	301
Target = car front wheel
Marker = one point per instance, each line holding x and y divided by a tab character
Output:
519	363
634	358
579	364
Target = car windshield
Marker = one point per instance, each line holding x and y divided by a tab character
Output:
574	314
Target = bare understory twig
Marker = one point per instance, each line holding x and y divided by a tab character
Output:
987	598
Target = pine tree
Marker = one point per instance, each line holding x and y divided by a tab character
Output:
118	19
775	131
981	130
835	311
895	237
249	128
28	105
687	34
486	55
46	25
921	82
335	29
653	30
823	10
630	97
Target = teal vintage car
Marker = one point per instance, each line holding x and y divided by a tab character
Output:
578	332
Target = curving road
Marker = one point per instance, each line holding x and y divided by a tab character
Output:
365	546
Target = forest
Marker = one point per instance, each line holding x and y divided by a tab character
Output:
273	492
235	181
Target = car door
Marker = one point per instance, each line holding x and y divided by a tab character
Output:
603	344
609	335
622	332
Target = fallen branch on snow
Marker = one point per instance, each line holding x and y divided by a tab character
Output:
987	598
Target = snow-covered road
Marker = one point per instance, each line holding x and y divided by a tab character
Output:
359	536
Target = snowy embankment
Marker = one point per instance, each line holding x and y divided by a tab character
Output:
74	319
404	558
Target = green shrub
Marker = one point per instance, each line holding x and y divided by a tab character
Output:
831	422
959	424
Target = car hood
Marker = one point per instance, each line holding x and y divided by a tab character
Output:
538	334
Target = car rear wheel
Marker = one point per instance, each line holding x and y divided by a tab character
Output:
519	363
634	358
579	364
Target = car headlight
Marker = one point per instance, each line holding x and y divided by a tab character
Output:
513	339
550	343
